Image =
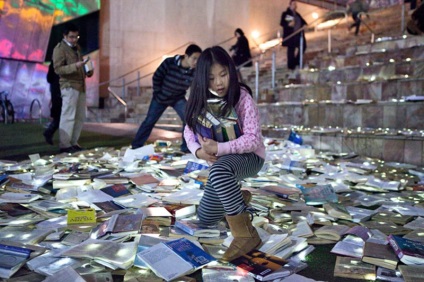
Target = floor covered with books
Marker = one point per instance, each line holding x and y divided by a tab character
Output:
109	214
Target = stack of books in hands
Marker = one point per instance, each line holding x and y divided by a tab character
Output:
216	125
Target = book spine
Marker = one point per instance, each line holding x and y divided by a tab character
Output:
392	242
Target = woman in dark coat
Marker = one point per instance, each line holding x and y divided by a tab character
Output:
241	49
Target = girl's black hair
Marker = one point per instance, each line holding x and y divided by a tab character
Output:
199	90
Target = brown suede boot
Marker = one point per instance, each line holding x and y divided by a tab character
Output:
247	196
246	238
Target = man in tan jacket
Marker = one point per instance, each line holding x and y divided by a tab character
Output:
69	65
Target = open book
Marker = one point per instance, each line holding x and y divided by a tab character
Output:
173	259
122	224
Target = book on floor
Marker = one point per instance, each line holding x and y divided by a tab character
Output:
116	190
331	232
353	268
12	258
179	211
183	255
380	255
262	266
122	224
409	252
159	215
195	228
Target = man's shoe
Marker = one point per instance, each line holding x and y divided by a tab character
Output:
70	150
48	137
77	148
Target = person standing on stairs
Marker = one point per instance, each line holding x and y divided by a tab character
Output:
70	66
216	77
415	26
170	83
292	24
241	52
357	8
56	104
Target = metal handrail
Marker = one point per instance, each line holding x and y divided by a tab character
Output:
120	100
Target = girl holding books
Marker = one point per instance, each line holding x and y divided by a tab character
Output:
216	77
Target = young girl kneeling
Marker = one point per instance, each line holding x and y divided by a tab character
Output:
216	77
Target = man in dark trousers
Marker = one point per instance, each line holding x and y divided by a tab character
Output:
292	21
56	104
356	8
170	83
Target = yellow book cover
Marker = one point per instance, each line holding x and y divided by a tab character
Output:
86	216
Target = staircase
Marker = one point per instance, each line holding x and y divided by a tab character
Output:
346	100
352	99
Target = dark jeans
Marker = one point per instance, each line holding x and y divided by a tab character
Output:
293	58
156	110
357	23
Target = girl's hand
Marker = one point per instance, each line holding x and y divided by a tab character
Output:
208	145
201	154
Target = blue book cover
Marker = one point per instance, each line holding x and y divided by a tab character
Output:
318	195
15	250
408	251
190	252
116	190
193	166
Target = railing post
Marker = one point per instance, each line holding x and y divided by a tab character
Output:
123	88
329	40
273	70
301	51
138	84
256	81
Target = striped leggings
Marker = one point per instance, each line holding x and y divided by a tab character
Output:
222	192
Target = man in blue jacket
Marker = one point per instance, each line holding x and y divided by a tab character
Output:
170	83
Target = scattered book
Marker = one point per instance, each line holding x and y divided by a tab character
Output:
380	255
318	195
331	232
337	210
353	268
144	179
12	258
173	259
195	228
159	215
179	211
408	251
262	266
122	224
14	209
116	190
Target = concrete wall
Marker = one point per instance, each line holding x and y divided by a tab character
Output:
138	32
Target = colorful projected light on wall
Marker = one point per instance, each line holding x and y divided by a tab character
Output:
25	26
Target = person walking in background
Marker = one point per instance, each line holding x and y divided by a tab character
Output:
415	24
232	161
56	104
241	50
69	65
292	22
356	8
170	83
